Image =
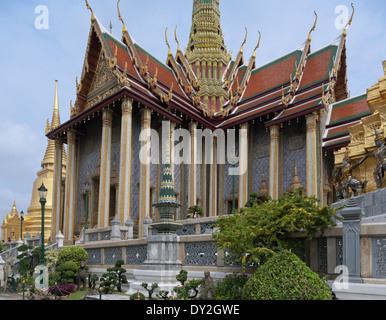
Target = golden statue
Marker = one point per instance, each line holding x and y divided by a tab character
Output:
380	155
348	181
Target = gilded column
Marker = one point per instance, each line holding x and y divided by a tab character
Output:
57	186
312	168
243	165
192	195
105	170
70	187
144	191
274	163
125	167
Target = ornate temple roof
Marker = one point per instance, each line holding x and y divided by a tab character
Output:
291	86
342	116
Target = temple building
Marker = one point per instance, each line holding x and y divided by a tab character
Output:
11	226
283	115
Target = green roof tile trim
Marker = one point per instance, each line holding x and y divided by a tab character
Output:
334	49
298	54
337	134
350	101
346	119
108	36
153	58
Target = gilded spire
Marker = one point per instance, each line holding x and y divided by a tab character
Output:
314	27
92	12
258	45
49	156
206	52
350	21
120	18
55	122
167	43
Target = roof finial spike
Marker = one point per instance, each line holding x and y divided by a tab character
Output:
166	40
314	27
92	12
120	18
245	39
350	21
258	45
175	36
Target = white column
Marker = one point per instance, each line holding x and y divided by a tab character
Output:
243	156
125	168
105	170
144	191
70	188
57	186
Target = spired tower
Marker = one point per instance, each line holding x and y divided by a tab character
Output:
207	53
46	176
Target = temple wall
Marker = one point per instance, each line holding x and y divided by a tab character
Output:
260	156
294	153
89	156
136	166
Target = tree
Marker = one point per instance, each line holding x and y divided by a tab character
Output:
194	212
255	233
114	277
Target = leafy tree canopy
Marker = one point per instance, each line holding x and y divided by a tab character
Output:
255	233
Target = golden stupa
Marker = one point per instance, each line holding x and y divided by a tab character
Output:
46	176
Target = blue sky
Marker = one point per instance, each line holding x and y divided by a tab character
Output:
31	59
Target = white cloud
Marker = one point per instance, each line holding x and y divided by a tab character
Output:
21	153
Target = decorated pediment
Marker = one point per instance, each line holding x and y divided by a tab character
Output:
103	75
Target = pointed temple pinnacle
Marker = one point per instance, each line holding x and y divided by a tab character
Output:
92	12
314	27
120	18
350	21
55	122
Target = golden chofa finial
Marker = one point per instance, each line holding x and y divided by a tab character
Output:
350	21
92	12
258	45
314	27
120	18
245	39
175	36
166	40
48	127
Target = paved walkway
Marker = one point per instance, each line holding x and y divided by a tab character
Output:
10	296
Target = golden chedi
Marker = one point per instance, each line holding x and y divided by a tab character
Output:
45	175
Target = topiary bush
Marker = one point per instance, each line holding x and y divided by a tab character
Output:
75	254
286	277
67	271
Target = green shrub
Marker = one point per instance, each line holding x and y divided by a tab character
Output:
286	277
114	278
75	254
231	287
68	271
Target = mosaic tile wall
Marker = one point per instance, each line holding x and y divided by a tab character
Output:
260	160
227	179
136	166
89	155
294	136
